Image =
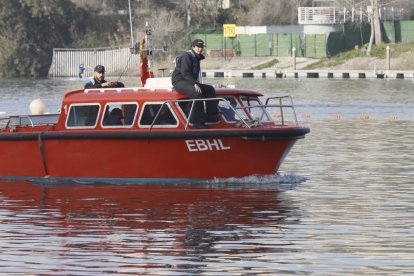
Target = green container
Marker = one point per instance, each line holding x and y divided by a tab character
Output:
407	31
262	45
388	32
315	46
247	45
284	43
335	43
356	35
297	43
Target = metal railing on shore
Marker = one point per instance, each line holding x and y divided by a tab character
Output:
337	15
66	62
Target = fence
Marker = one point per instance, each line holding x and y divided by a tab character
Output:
65	62
320	15
335	15
279	44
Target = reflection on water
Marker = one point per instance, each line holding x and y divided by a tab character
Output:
341	205
137	229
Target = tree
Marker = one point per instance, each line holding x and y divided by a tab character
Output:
374	20
29	30
373	7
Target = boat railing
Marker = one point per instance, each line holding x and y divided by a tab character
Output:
4	121
269	112
283	103
193	101
281	113
32	120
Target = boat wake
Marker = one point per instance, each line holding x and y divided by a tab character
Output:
283	182
280	182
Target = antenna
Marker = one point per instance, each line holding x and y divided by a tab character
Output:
148	44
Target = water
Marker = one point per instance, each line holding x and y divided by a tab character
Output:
342	204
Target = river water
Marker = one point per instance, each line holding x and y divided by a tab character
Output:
343	203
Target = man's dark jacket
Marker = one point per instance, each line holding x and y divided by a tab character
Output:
97	84
187	67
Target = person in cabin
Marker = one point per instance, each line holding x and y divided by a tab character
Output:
186	79
116	117
99	80
82	70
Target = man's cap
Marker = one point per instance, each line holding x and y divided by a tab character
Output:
198	43
100	69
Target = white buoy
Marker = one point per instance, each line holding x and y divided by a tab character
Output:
37	107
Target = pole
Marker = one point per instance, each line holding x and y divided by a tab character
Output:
148	45
388	58
294	57
130	24
225	48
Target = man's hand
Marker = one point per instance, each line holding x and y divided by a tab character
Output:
108	84
197	89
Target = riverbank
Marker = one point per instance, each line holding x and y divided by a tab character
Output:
401	59
404	62
353	64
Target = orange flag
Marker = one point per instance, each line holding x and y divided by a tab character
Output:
144	64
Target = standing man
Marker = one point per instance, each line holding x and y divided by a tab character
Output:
186	80
82	70
99	80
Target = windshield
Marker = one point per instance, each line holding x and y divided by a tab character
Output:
253	107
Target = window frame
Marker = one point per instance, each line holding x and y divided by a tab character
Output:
120	126
239	108
83	104
155	125
255	107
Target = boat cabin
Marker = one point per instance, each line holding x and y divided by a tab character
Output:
144	108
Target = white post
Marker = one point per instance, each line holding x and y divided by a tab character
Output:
388	58
344	15
294	57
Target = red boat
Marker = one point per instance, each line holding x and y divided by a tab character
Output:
143	135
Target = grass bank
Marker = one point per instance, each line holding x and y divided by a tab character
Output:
378	51
266	65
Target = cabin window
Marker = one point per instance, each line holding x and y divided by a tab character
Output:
254	108
228	112
83	116
119	115
166	118
185	107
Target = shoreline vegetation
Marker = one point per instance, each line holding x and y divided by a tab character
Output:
30	30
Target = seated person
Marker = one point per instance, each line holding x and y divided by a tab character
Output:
115	117
99	80
187	81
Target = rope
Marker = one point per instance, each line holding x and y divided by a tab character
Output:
126	67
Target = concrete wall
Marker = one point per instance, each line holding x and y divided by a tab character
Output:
250	30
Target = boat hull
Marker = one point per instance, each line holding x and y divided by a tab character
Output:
145	157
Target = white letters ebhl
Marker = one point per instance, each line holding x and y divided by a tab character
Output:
205	145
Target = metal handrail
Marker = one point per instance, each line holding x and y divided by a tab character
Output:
280	98
4	122
275	105
28	117
235	109
192	108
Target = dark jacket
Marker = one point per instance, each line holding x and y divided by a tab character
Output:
187	67
96	84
